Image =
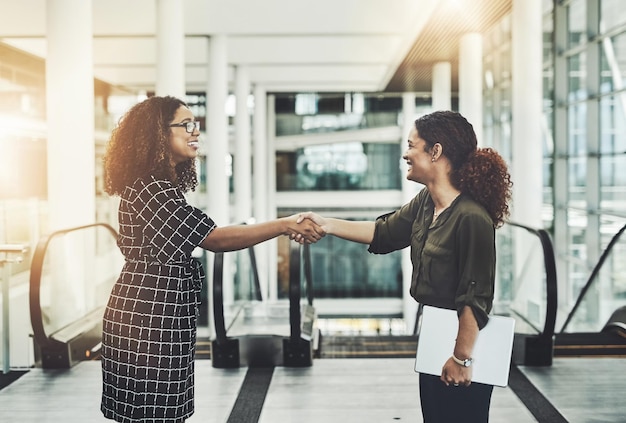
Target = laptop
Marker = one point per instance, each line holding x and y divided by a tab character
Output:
492	350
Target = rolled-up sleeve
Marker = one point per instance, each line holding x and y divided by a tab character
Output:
477	259
393	230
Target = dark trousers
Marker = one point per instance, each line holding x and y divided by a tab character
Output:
451	404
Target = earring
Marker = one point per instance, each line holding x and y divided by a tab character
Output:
432	160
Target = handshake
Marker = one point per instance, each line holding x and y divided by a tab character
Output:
306	227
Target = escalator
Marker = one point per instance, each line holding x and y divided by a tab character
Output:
72	272
262	333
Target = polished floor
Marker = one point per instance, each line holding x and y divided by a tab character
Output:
362	390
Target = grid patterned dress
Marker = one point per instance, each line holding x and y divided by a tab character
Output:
149	325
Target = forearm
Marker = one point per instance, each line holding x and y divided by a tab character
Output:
237	237
466	337
357	231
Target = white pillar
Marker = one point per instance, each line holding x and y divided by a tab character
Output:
526	140
442	86
70	113
260	181
409	190
243	157
218	195
217	132
471	81
527	94
170	40
272	212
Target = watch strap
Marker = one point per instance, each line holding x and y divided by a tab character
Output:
465	363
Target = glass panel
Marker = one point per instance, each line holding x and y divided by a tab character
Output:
341	166
547	34
78	272
576	255
613	183
344	269
576	19
607	291
612	14
577	72
613	153
613	64
577	171
521	278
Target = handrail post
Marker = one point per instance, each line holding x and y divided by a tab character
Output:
17	250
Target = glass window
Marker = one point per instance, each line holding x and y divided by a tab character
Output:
612	14
576	131
577	72
577	22
340	166
613	68
577	169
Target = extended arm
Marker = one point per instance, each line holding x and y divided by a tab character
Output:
357	231
237	237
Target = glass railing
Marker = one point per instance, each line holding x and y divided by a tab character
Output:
604	291
526	288
72	273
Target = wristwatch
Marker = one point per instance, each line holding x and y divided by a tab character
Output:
465	363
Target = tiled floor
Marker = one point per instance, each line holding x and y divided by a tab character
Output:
331	391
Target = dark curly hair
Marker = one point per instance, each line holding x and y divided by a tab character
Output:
479	172
139	147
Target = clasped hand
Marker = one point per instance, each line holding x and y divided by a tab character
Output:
304	230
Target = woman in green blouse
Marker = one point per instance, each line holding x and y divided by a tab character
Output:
450	227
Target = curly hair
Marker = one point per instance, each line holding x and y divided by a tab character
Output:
139	147
479	172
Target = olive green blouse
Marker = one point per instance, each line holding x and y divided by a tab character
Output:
453	257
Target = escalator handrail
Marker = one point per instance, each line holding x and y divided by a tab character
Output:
295	318
549	261
218	299
36	269
308	274
219	319
592	276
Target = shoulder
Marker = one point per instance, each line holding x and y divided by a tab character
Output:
145	189
470	210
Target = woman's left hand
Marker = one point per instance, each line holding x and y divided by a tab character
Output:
455	374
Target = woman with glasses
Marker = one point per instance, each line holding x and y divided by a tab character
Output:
149	325
450	227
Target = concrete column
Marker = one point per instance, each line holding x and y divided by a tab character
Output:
409	190
527	166
272	212
471	81
526	141
70	113
170	38
260	181
442	86
218	195
217	132
243	156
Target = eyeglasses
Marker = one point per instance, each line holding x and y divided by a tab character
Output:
190	126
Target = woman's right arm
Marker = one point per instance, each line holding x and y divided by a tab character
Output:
357	231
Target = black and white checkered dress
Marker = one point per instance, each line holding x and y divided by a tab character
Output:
149	325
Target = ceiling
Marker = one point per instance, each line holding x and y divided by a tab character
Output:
286	45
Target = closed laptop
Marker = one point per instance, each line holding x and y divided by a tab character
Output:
492	350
